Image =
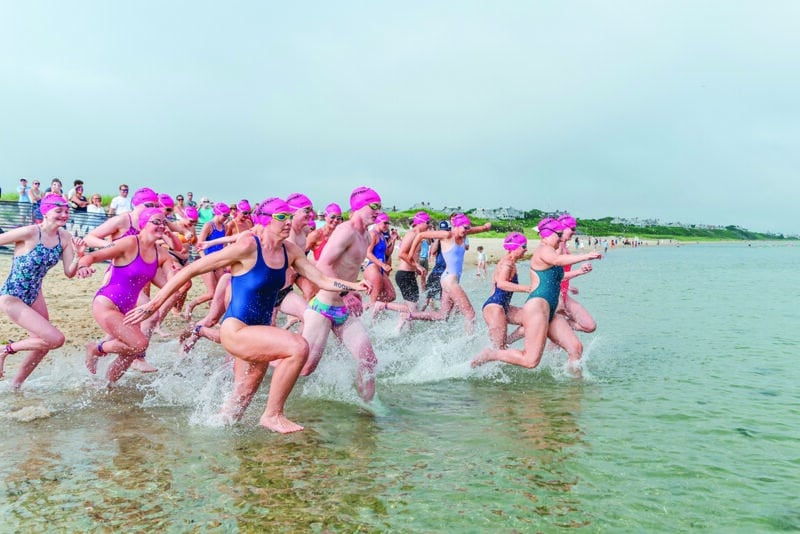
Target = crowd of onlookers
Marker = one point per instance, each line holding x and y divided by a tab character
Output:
79	202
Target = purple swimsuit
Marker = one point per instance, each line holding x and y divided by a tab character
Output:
127	281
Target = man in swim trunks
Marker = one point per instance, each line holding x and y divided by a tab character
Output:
338	312
409	268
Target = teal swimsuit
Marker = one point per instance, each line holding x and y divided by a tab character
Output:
549	287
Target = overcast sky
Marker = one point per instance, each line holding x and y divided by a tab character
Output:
678	110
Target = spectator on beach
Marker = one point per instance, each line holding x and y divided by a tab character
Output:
190	200
180	207
481	270
22	190
36	195
78	201
95	206
205	210
75	184
121	203
56	187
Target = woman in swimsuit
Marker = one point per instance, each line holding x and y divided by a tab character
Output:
37	248
497	310
539	318
137	260
258	261
379	265
452	248
577	316
212	230
117	227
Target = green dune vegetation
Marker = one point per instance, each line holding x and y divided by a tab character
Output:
606	227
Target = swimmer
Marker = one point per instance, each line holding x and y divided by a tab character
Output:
136	260
37	248
539	318
258	261
453	248
577	316
339	311
498	312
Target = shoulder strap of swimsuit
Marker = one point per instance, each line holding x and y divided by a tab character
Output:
285	256
38	227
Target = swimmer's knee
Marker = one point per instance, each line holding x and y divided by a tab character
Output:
55	340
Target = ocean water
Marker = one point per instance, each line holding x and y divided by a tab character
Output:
687	417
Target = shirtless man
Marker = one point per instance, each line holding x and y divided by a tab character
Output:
338	312
409	268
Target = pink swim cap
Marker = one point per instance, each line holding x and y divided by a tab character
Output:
298	201
165	200
143	196
263	212
220	208
244	205
515	240
381	218
333	208
548	227
191	213
461	220
421	217
50	201
148	214
568	221
361	196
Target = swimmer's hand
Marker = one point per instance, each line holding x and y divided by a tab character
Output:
84	271
139	314
353	302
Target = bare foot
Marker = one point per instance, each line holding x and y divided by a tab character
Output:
92	355
481	358
279	423
185	333
191	339
141	365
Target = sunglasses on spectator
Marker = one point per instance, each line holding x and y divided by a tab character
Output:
179	199
123	189
35	183
282	216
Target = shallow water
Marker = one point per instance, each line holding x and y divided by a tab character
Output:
687	417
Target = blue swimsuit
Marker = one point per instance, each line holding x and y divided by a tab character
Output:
549	287
253	293
501	297
454	260
28	270
215	234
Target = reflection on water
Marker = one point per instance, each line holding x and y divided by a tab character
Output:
681	420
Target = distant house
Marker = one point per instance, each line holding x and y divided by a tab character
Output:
499	214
